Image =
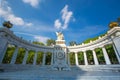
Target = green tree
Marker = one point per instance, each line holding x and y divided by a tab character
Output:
38	43
20	56
48	58
100	55
90	57
111	54
80	58
8	55
39	57
50	42
30	57
72	58
72	43
118	20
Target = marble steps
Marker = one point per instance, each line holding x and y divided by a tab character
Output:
19	67
59	75
115	68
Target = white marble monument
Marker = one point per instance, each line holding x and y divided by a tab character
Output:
60	53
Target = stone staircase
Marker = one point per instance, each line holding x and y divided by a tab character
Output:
30	72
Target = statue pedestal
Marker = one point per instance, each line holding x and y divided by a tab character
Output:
60	54
61	43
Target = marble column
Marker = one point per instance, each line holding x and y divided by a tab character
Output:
117	54
76	59
85	58
95	57
35	58
14	55
44	58
52	58
68	57
3	49
107	60
25	57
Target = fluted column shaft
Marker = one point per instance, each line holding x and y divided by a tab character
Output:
44	58
14	55
3	49
25	57
95	57
107	60
52	58
35	58
76	58
85	58
68	57
117	54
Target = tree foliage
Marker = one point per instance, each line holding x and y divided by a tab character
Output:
80	58
100	56
39	57
90	57
72	58
111	54
20	55
72	43
50	42
48	58
118	20
38	43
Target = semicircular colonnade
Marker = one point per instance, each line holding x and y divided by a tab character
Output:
112	37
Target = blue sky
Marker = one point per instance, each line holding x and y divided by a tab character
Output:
78	19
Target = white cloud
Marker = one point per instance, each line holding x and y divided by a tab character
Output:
57	24
41	38
33	3
66	17
7	13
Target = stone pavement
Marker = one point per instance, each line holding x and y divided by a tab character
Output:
36	73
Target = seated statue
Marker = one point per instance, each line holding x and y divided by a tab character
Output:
60	36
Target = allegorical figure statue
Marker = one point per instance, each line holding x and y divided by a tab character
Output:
60	36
